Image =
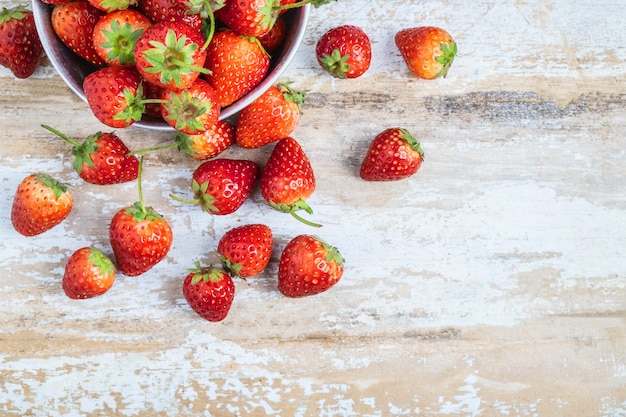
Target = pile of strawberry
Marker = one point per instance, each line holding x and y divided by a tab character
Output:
155	59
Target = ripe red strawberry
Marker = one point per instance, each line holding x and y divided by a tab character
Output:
208	144
220	186
271	117
20	46
192	110
74	22
288	179
275	37
170	54
88	273
39	204
112	5
344	51
245	250
428	51
393	155
115	36
115	96
236	65
210	292
308	266
171	11
140	237
102	158
249	18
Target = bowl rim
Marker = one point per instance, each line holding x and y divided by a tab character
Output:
58	55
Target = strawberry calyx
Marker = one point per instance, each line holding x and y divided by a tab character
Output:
446	59
411	141
112	5
204	199
12	13
120	42
186	110
292	96
336	64
101	261
332	253
229	267
135	106
294	208
138	211
81	151
57	187
206	274
172	58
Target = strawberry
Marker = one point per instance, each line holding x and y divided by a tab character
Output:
393	155
245	250
20	46
308	266
140	237
74	22
209	291
428	51
115	36
209	143
102	158
236	65
269	118
288	179
220	186
171	11
115	96
170	54
112	5
39	204
88	273
344	51
249	17
275	37
192	110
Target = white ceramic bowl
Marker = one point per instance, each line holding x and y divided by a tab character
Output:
74	69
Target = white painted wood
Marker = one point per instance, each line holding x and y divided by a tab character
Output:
491	283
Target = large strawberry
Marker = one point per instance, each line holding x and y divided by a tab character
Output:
271	117
308	266
236	65
344	51
115	36
88	273
245	250
115	95
102	158
170	54
40	203
192	110
140	237
208	144
74	22
428	51
394	154
220	186
288	179
209	291
20	46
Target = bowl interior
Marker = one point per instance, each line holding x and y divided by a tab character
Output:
74	69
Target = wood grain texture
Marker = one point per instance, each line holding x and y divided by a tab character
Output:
492	283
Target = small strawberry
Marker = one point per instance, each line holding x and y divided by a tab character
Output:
170	54
209	291
271	117
74	22
248	17
236	64
88	273
208	144
115	36
171	11
115	96
20	46
112	5
102	158
220	186
308	266
344	51
428	51
39	204
288	179
393	155
245	250
140	237
275	37
192	110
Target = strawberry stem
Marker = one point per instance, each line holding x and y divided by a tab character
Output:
61	135
139	186
303	220
184	200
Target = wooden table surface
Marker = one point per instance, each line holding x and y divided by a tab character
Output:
492	283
